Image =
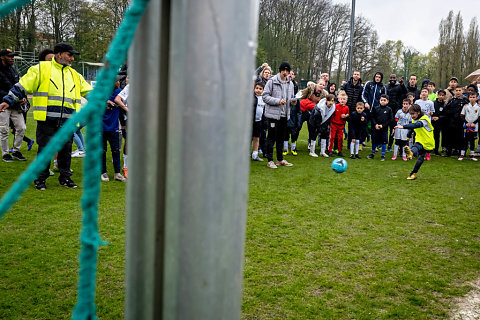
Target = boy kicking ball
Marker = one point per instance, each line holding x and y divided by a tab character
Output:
423	135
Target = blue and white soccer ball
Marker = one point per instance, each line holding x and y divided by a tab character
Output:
339	165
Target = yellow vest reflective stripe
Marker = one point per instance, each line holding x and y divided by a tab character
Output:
50	104
423	136
40	98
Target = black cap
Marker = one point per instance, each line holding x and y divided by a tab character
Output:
64	47
284	66
8	52
453	78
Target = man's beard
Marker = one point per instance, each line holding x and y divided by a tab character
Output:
64	63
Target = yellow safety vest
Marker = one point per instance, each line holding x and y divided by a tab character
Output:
56	90
423	136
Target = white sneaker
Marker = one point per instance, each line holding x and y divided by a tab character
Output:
78	154
284	163
104	177
257	158
323	154
272	165
313	154
119	177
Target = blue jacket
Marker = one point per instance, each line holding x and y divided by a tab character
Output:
372	92
295	120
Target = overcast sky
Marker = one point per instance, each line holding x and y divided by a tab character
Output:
415	22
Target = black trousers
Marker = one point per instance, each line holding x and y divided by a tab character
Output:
453	138
113	138
391	126
276	134
437	128
469	141
292	132
263	141
45	131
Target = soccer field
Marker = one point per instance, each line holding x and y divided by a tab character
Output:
364	244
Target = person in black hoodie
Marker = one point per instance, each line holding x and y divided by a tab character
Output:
372	92
332	89
397	92
438	120
353	88
412	86
454	123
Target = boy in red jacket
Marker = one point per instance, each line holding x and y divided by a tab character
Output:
337	123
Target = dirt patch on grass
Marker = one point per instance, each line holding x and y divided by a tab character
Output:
468	307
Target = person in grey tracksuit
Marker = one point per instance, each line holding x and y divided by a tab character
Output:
278	95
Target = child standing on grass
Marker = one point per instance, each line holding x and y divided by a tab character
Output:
320	124
122	100
381	117
424	138
438	120
402	117
258	118
111	135
470	114
428	108
454	123
337	124
357	124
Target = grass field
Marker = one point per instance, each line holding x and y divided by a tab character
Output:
365	244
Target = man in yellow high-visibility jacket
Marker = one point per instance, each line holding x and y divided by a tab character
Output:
57	89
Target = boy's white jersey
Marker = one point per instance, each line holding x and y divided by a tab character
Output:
427	107
124	94
403	119
471	113
259	109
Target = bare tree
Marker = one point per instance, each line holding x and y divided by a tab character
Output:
472	47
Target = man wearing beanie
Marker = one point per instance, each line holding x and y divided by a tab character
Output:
278	96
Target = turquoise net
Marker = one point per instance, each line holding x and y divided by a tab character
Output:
92	114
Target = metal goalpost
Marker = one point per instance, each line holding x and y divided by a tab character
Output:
191	67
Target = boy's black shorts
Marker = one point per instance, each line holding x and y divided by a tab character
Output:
357	134
123	118
257	129
401	143
380	136
324	130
